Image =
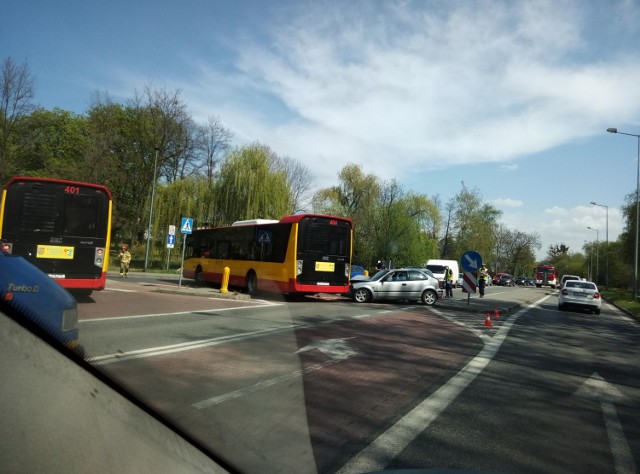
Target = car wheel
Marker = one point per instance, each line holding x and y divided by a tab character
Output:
560	307
361	295
429	297
251	283
597	311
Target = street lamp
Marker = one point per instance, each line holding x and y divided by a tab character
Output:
635	248
153	193
606	248
597	257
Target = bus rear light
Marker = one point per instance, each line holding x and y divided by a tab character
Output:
298	267
98	258
7	247
347	270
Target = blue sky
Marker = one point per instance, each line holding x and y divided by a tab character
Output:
511	98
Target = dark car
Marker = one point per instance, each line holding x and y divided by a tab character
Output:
506	280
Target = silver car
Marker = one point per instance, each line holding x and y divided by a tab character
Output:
580	294
398	284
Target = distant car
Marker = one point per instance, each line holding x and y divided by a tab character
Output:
399	284
530	281
506	280
356	270
460	280
521	281
565	278
496	278
580	294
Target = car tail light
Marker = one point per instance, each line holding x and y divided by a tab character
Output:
7	247
565	292
596	296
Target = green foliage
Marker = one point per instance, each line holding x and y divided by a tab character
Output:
389	224
250	186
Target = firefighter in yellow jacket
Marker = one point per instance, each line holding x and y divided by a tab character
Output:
125	259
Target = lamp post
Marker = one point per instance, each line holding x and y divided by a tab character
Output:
635	248
606	247
153	193
597	256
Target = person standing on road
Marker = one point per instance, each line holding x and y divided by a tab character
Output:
125	260
483	277
448	282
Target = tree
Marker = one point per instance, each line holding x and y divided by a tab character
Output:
16	97
517	249
475	225
299	180
251	186
389	224
215	140
52	144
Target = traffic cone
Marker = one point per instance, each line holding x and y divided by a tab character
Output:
496	313
487	322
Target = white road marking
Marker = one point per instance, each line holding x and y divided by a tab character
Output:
598	389
392	442
154	315
120	289
184	346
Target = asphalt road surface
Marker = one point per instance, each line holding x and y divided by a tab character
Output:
327	385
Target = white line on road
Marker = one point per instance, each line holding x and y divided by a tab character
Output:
184	346
120	289
392	442
138	316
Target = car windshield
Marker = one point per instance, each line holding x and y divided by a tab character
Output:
238	201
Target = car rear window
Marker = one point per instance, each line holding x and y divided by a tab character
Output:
581	284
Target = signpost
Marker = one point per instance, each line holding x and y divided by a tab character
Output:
471	261
186	227
171	242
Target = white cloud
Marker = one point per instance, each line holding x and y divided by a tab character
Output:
558	225
464	85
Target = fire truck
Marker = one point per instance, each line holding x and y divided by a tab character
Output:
546	275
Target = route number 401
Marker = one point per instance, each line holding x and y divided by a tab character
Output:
72	190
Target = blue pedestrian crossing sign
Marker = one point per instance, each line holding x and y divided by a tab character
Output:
187	225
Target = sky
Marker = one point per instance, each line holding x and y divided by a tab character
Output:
513	99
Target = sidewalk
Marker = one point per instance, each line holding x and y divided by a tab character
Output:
168	283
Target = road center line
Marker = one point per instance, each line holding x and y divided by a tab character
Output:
392	442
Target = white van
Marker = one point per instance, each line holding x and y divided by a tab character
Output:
437	268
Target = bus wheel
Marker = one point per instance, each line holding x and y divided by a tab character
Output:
251	283
361	295
429	297
199	275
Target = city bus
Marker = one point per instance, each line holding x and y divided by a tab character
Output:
546	275
298	254
62	227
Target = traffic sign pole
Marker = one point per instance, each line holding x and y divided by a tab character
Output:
186	227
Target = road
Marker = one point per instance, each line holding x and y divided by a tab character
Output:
327	385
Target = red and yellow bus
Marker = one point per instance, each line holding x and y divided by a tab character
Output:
546	275
62	227
302	253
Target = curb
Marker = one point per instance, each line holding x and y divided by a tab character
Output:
211	293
